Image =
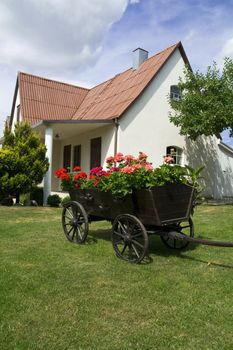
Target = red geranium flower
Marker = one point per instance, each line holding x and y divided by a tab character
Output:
77	168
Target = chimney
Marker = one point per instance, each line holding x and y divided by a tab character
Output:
139	56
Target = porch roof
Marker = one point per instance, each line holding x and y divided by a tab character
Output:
63	129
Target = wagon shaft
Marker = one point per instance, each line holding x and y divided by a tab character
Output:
182	237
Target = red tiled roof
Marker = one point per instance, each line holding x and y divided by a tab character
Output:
44	99
110	99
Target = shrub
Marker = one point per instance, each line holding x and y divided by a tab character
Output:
37	195
7	201
54	200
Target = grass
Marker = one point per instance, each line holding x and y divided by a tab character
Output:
57	295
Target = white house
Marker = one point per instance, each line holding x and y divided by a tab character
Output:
127	113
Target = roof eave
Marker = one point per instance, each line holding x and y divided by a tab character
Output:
225	146
72	121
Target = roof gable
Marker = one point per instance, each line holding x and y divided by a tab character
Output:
45	99
112	98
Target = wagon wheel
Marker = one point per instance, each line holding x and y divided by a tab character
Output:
75	222
184	227
129	238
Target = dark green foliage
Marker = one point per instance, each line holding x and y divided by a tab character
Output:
22	160
54	200
65	200
36	194
8	201
206	106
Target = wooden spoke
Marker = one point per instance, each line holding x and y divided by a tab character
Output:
133	235
187	229
75	222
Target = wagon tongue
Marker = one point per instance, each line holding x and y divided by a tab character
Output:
181	237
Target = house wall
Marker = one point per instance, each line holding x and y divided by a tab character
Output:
14	122
107	134
146	126
225	175
217	176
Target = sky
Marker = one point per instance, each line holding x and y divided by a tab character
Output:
85	42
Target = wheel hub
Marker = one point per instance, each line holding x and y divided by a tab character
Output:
127	238
74	222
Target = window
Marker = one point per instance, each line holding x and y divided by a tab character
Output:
175	93
67	156
95	157
175	153
77	155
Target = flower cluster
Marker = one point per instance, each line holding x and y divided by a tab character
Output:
124	174
128	164
73	179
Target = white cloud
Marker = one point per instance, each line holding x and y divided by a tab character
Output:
53	38
227	50
56	34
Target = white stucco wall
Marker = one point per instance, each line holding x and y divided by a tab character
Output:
217	176
15	112
146	126
107	134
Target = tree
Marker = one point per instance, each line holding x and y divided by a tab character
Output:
22	161
206	104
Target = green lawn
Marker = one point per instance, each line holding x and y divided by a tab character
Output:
62	296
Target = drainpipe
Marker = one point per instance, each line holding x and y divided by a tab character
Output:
49	155
116	136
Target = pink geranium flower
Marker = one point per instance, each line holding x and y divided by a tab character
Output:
168	159
129	158
142	156
110	160
136	166
148	167
127	170
119	157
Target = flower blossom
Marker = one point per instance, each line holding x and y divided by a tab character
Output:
136	166
110	160
64	176
148	167
119	157
129	158
81	175
77	168
168	159
142	156
60	172
128	169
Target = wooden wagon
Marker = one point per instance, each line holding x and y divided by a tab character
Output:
159	210
162	210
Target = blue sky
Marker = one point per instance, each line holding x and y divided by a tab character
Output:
86	42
